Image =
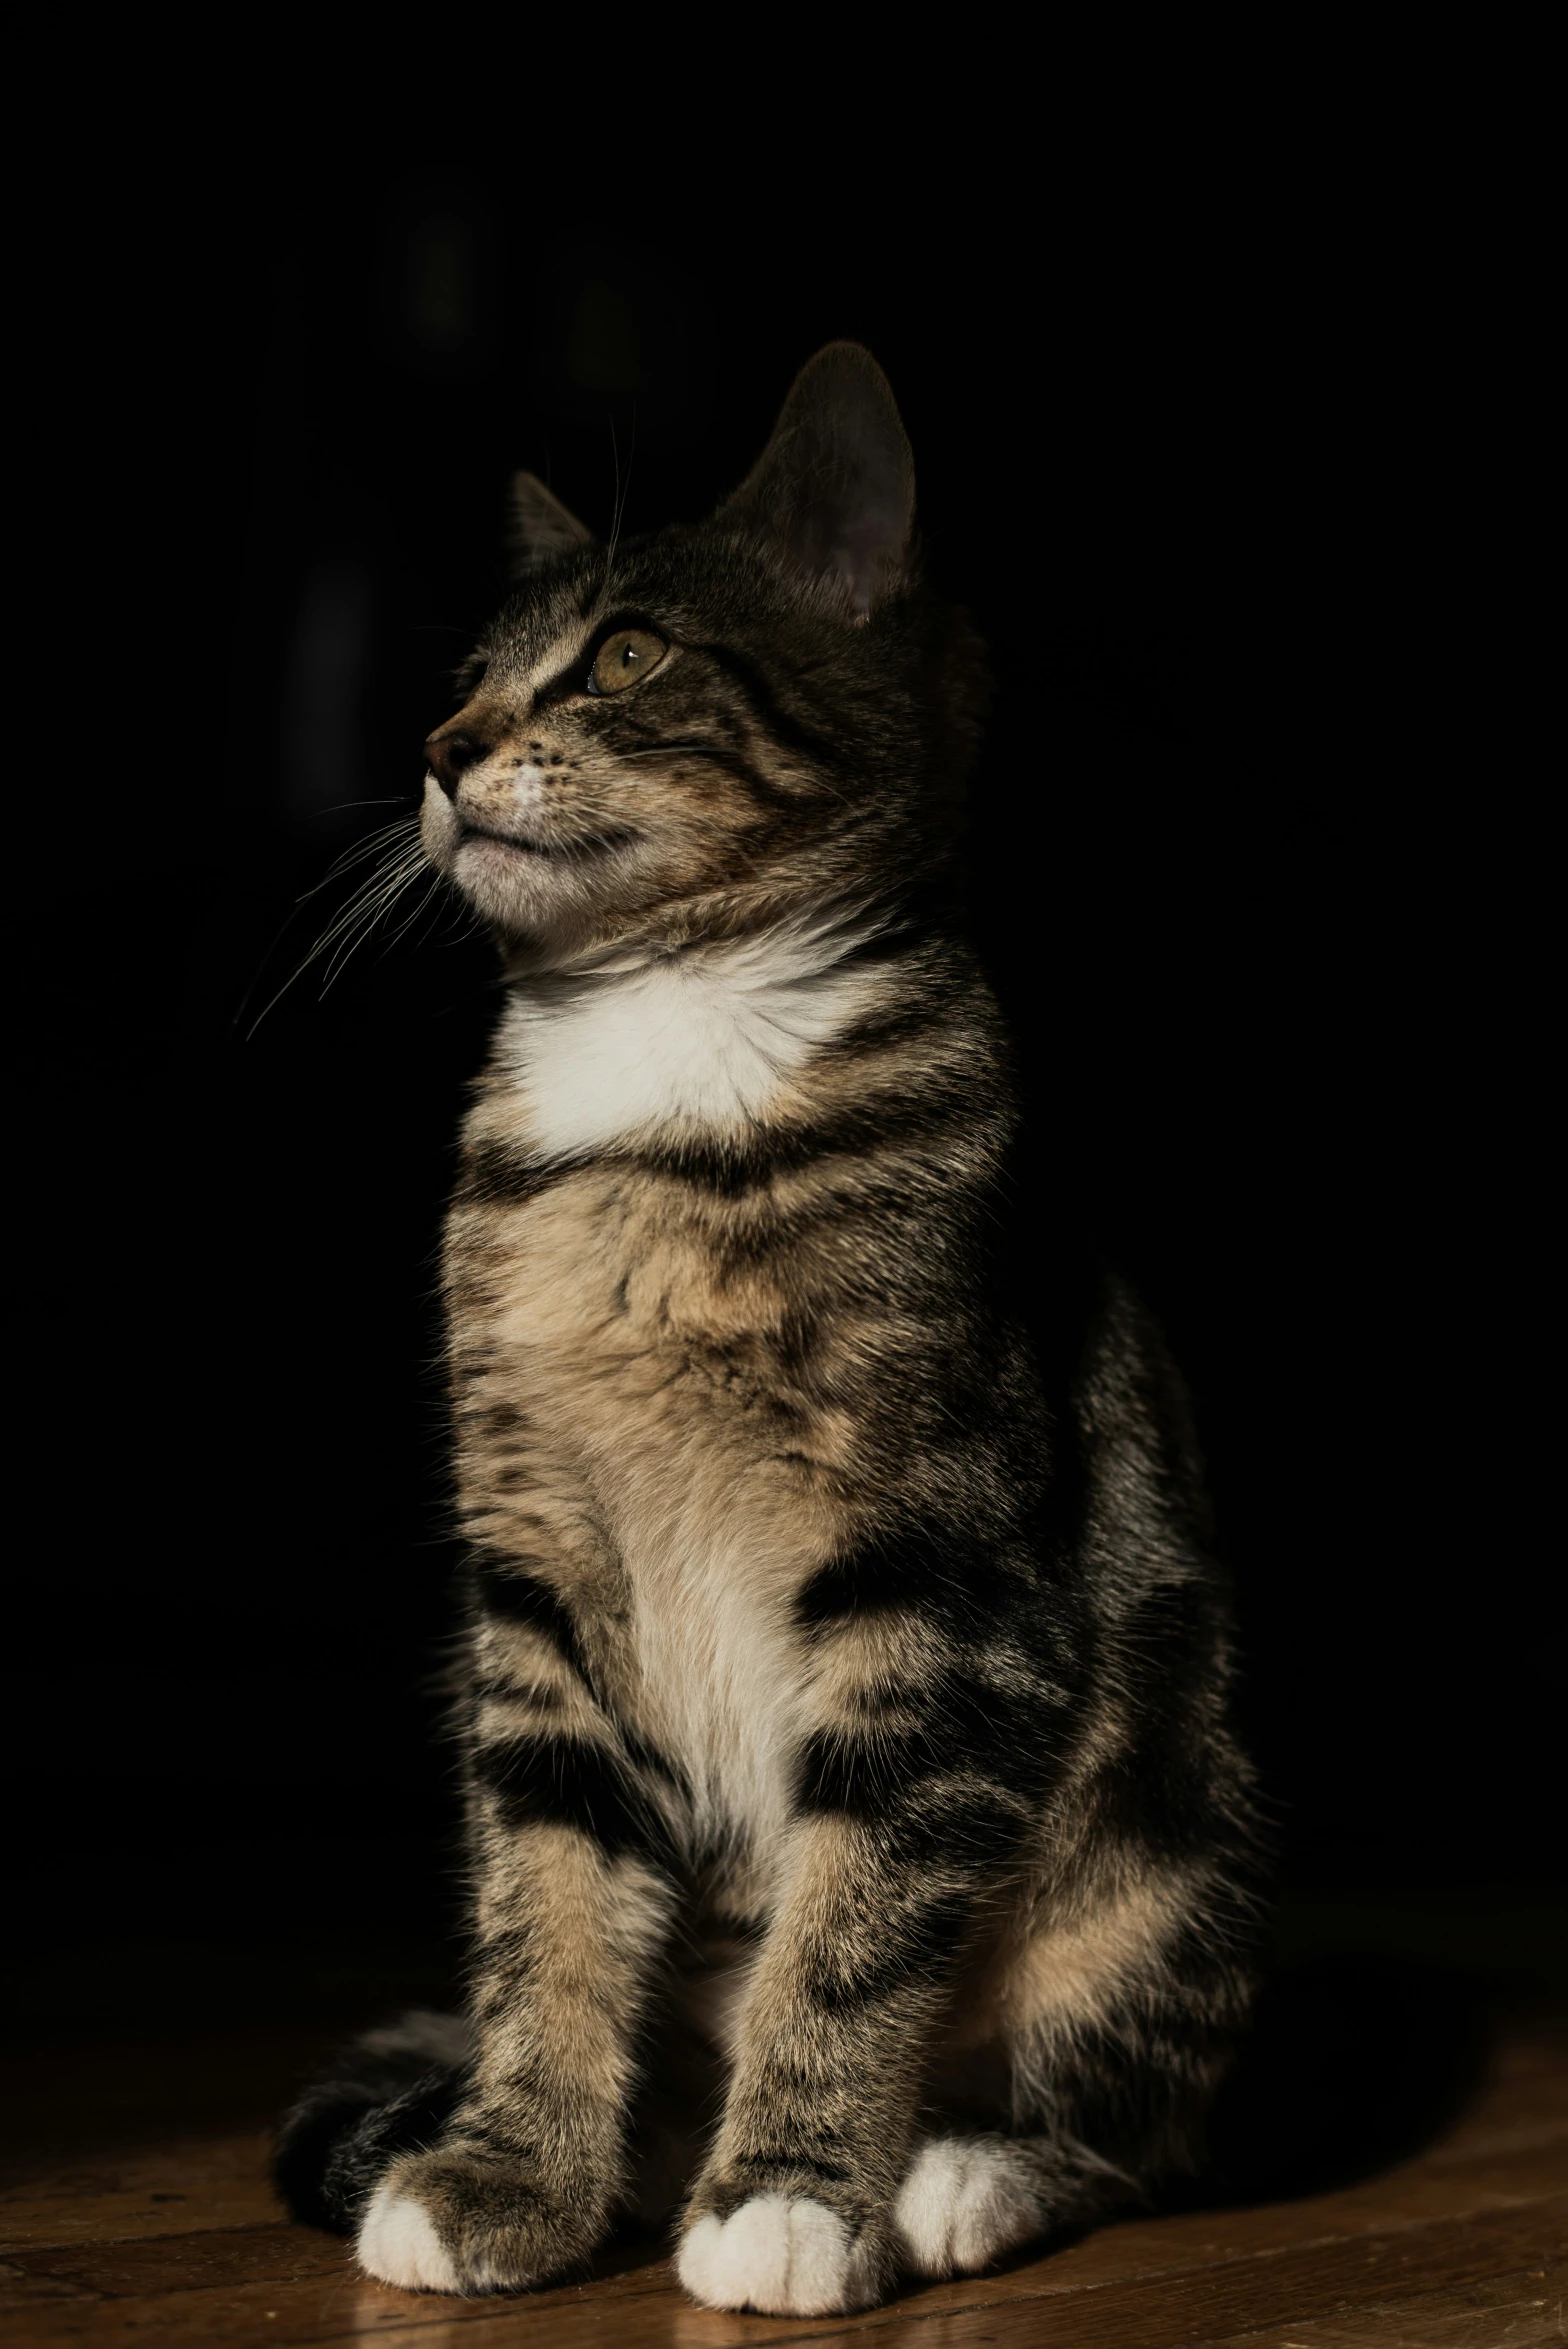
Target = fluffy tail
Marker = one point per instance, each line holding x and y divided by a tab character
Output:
389	2093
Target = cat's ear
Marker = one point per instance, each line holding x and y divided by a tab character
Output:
835	486
539	525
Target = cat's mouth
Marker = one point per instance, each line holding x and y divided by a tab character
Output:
596	844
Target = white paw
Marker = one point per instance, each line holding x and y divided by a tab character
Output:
781	2254
963	2204
398	2245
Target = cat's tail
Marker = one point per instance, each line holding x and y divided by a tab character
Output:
389	2093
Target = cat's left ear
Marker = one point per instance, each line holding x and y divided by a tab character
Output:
835	486
540	526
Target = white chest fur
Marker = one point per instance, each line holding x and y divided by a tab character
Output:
720	1690
705	1036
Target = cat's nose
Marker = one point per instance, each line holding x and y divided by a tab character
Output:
451	753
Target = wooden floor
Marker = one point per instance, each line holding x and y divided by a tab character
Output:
140	2212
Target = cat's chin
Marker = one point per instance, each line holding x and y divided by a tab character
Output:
533	889
477	839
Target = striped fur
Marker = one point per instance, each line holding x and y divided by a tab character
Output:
844	1710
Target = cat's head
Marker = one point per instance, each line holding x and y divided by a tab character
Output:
719	723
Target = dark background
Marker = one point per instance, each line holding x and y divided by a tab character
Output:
1207	462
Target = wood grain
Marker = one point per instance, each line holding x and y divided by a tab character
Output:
139	2211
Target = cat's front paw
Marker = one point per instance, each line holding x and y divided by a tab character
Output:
783	2255
456	2221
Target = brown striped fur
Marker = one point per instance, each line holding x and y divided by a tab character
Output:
845	1691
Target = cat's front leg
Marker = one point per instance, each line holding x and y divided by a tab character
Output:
919	1779
928	1747
794	2211
527	2175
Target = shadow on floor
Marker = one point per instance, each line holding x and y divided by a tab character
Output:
1355	2063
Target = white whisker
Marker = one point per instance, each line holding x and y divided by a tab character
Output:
400	861
340	806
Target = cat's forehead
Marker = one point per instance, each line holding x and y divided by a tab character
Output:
550	608
687	579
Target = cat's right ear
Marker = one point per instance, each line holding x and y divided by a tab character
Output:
539	525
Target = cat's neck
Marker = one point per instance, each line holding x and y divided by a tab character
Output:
702	1037
697	925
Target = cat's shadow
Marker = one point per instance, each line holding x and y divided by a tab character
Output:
1353	2065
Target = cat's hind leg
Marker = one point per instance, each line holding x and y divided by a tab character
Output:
1077	2078
968	2200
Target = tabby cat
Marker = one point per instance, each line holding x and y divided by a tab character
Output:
861	1856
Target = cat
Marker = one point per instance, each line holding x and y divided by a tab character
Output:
845	1714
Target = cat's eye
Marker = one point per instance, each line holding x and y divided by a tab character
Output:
624	657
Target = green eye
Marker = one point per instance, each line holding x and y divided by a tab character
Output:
624	657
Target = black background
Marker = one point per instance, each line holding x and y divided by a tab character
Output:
1202	455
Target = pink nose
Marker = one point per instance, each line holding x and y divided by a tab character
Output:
451	753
